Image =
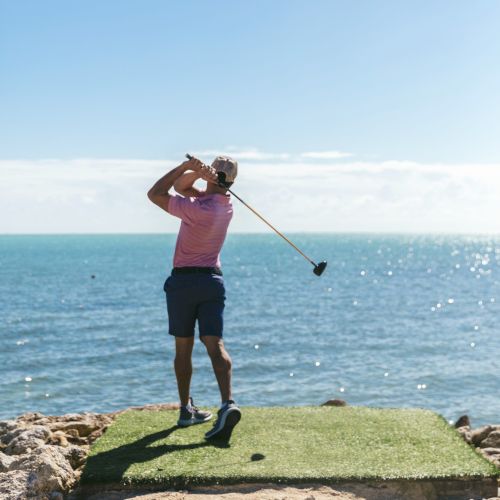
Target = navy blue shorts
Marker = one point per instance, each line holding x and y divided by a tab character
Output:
192	297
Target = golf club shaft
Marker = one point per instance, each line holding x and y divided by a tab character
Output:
268	223
273	228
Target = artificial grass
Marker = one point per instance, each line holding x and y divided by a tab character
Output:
293	445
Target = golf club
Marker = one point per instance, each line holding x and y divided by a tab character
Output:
318	268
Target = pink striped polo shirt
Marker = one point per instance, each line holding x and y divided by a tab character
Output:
203	228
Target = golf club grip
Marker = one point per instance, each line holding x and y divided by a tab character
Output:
190	157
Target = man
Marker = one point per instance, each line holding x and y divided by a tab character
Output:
195	288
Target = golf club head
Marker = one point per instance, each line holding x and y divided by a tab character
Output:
319	268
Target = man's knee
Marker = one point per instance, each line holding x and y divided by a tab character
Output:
184	347
182	359
215	347
212	343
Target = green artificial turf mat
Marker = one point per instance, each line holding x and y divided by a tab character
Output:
293	445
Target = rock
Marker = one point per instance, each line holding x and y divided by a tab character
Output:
492	441
84	426
70	417
13	485
9	436
94	435
58	438
48	470
75	455
149	407
71	433
477	435
465	433
5	461
491	451
45	420
491	454
20	446
56	495
462	421
78	441
335	402
28	440
7	426
30	417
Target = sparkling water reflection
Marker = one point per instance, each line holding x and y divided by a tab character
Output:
394	321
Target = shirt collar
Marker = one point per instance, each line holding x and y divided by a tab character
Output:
219	197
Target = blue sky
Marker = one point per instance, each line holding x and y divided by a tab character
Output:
270	81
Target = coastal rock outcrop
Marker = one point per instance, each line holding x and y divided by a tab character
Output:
492	440
485	439
28	440
334	402
42	456
48	470
463	421
481	433
13	485
5	461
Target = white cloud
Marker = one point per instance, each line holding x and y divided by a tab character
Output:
245	154
109	195
252	154
325	155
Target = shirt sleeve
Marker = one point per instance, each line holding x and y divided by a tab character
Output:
187	209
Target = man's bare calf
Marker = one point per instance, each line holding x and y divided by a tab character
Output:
183	366
221	363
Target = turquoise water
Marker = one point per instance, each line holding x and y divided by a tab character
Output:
393	321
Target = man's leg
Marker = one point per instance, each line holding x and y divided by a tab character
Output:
183	366
210	320
229	414
221	363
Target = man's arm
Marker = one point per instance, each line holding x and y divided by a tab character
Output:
184	184
158	194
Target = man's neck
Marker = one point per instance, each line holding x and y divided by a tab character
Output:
213	189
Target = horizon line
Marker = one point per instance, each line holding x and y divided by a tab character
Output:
374	233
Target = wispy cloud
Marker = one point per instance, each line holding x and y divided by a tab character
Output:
253	154
325	155
109	195
245	154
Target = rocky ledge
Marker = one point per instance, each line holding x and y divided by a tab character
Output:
42	457
485	439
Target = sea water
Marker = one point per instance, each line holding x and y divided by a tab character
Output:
395	321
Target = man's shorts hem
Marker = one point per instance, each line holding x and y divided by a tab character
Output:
181	335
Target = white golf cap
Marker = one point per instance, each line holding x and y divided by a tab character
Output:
227	165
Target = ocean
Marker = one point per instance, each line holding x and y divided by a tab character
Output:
395	321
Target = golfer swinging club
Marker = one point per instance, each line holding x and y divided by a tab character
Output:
195	288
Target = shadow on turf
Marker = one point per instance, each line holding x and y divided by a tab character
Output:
111	465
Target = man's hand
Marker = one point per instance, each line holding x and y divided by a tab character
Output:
209	174
194	164
204	172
